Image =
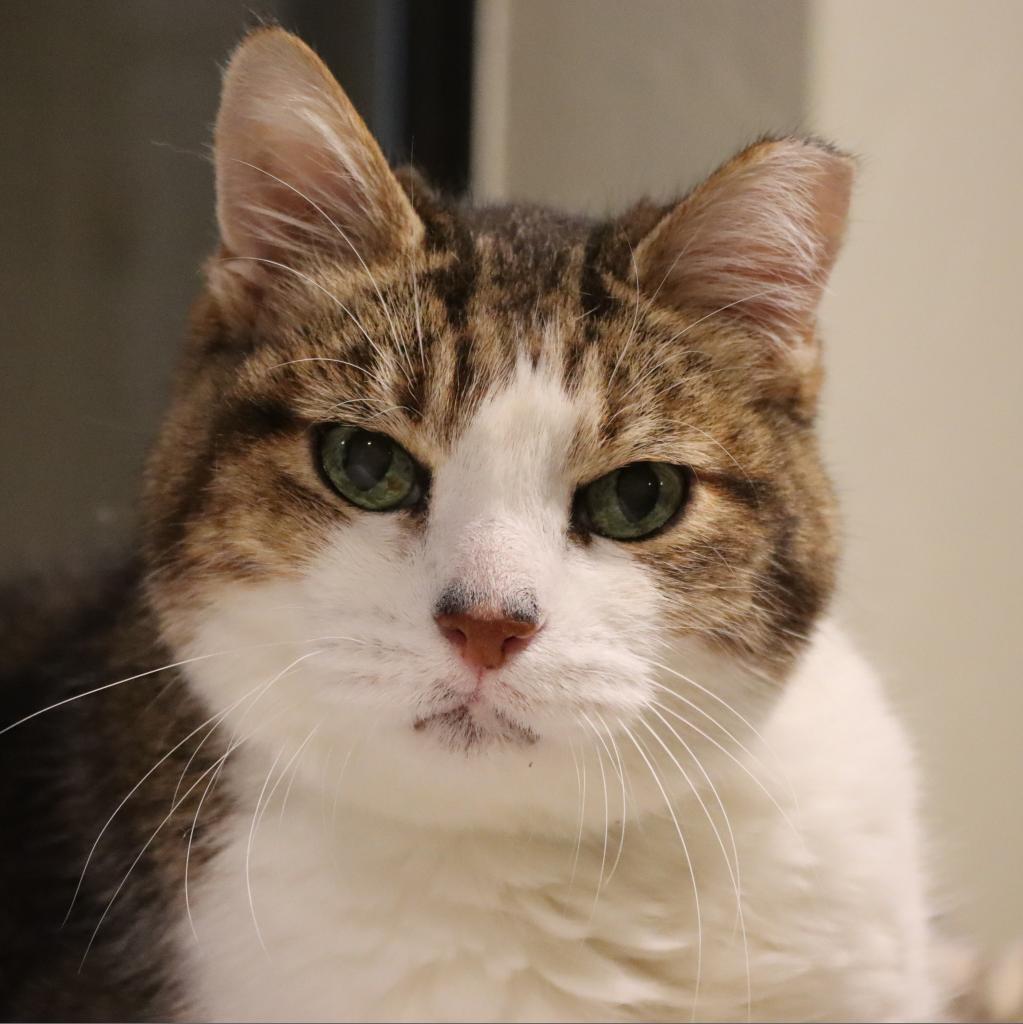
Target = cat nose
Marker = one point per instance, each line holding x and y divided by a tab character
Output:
485	641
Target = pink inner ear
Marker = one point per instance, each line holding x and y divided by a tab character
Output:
298	172
756	241
277	209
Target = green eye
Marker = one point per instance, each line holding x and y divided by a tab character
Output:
634	501
368	469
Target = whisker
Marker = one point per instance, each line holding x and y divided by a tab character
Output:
735	462
201	744
188	849
338	362
330	828
580	778
696	793
141	853
312	284
737	761
728	305
780	771
337	227
215	718
735	875
706	714
621	779
294	776
710	693
248	852
220	761
607	820
337	784
365	401
674	263
689	863
418	319
164	668
195	753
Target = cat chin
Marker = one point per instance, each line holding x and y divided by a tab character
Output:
471	727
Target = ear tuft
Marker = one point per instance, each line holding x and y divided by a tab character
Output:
298	172
756	241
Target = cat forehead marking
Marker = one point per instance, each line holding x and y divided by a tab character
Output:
515	445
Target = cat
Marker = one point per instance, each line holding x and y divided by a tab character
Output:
475	663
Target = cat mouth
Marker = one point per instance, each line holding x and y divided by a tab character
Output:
470	726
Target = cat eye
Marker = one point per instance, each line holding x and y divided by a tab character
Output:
634	501
369	469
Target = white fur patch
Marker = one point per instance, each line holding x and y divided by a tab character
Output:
373	870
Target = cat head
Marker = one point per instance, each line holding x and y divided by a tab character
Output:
453	493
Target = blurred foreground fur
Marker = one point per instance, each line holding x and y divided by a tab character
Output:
987	987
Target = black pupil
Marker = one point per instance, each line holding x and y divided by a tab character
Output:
367	458
638	489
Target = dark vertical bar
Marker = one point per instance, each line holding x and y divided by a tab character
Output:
407	65
439	89
391	55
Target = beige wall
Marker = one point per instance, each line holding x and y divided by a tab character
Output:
107	210
587	102
925	352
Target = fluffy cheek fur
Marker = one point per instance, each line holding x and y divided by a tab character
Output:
342	660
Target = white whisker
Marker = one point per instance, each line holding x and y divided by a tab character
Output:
338	362
216	719
728	707
351	245
154	671
689	863
621	779
580	778
188	849
734	875
738	762
248	852
726	306
312	284
607	819
221	760
294	774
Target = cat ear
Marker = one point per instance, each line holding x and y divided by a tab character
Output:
298	172
756	241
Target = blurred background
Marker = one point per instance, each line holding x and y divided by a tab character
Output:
107	209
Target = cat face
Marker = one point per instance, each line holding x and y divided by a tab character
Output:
463	487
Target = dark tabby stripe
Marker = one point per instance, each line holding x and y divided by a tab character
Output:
594	297
799	595
237	425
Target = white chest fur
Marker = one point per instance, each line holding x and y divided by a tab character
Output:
325	912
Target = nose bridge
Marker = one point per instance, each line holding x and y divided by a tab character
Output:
487	567
497	509
492	545
490	528
490	486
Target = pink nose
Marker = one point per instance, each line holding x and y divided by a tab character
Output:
485	642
